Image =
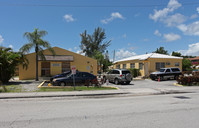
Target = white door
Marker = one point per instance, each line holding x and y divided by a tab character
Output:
146	69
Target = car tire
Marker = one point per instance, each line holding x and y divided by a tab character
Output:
104	79
128	82
161	78
176	77
62	84
116	81
90	83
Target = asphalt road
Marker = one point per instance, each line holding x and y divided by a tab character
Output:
155	111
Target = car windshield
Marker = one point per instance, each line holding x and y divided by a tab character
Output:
162	70
125	72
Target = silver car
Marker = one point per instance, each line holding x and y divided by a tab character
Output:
118	76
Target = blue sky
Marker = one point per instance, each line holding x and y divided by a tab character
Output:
134	26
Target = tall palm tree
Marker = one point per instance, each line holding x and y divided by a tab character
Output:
36	42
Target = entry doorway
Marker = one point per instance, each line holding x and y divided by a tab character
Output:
45	69
146	69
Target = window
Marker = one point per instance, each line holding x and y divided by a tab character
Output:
132	65
177	64
175	69
159	65
116	72
124	66
140	66
168	70
118	66
167	63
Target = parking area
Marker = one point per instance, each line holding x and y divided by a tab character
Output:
147	83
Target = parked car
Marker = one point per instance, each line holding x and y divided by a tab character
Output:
166	73
64	74
81	78
118	76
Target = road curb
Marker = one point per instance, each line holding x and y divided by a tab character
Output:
71	95
176	84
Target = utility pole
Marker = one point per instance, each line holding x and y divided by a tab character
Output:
114	55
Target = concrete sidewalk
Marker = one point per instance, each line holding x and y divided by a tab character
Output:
119	92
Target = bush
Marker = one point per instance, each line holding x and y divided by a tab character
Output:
188	80
134	72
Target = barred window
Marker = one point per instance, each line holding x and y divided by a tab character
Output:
118	66
132	65
124	66
140	66
159	65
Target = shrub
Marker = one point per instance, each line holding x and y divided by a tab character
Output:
134	72
188	80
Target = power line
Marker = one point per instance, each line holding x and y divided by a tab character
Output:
92	6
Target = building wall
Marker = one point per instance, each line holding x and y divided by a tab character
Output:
151	64
171	61
82	63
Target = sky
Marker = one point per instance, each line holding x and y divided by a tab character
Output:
134	27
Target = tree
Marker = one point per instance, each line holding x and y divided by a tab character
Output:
106	62
186	64
92	43
9	60
36	42
176	54
161	51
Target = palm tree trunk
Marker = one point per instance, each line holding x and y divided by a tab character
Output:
36	50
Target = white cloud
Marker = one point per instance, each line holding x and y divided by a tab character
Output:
194	16
193	50
10	46
80	52
197	9
70	49
175	19
124	35
75	48
164	17
114	15
157	33
69	18
122	53
190	29
171	37
1	39
160	14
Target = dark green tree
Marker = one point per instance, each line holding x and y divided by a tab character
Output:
95	42
176	54
106	62
186	64
9	60
36	42
161	50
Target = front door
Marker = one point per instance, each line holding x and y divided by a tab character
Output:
146	69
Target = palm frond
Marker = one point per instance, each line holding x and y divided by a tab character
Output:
26	48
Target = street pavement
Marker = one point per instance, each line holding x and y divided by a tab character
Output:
151	111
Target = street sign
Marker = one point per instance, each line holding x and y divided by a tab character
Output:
73	70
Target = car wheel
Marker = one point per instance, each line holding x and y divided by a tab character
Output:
128	82
62	84
176	77
104	79
90	84
161	78
116	81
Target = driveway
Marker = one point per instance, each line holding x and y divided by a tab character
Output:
147	83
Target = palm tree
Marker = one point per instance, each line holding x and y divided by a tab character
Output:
36	42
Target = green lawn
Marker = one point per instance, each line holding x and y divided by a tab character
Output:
78	88
12	88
